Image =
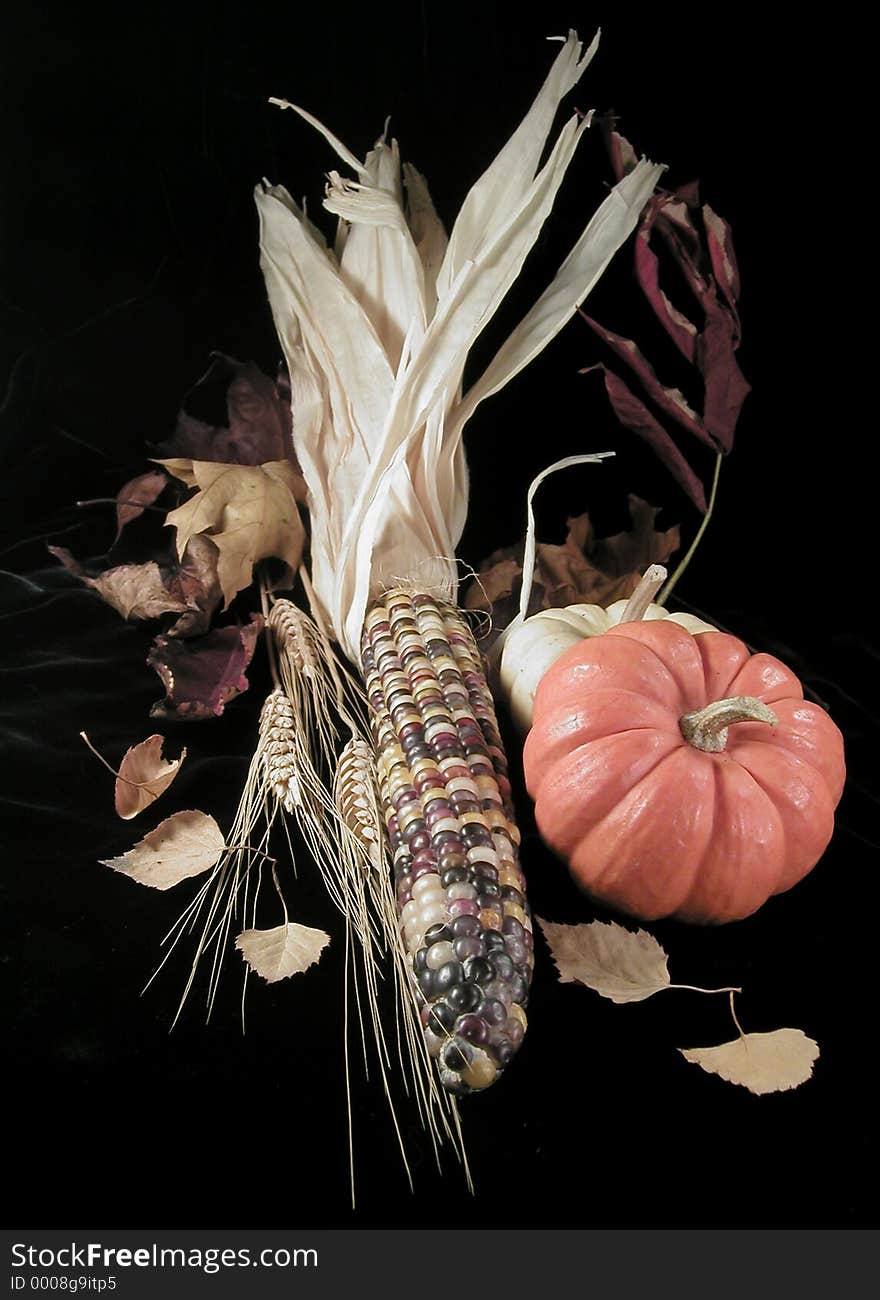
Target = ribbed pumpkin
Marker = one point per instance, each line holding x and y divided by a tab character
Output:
679	775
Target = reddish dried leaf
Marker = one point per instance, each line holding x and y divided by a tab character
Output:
723	257
623	155
584	569
201	675
725	386
700	243
635	416
670	400
138	493
679	327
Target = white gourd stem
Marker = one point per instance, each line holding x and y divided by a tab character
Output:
651	581
528	568
706	728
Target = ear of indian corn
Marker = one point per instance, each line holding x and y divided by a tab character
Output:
460	891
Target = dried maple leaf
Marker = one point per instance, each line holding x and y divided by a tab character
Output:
250	512
135	495
202	674
282	952
584	569
143	775
623	965
184	845
773	1062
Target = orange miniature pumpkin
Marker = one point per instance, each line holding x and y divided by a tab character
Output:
679	775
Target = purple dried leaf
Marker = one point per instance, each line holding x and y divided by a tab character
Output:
623	156
679	327
725	385
258	427
635	416
724	264
670	400
203	674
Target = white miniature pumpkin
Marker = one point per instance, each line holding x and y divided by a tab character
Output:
533	646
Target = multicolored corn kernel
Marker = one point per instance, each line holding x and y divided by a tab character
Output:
460	890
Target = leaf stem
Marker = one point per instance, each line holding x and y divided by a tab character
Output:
117	501
99	757
667	590
739	1027
694	989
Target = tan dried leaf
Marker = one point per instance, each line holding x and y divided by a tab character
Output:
773	1062
623	965
286	950
137	591
143	775
184	845
250	513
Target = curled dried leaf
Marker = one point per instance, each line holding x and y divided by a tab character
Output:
133	590
283	951
184	845
144	775
773	1062
623	965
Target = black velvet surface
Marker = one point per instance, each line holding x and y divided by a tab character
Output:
129	254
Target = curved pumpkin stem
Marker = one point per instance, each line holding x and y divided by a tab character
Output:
706	728
651	581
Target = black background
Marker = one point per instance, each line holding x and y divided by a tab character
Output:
128	253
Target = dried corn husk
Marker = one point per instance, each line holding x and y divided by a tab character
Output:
376	334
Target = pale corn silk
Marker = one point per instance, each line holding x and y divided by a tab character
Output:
376	332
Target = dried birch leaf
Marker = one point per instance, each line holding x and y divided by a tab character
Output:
773	1062
623	965
143	775
251	514
202	674
286	950
184	845
135	495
